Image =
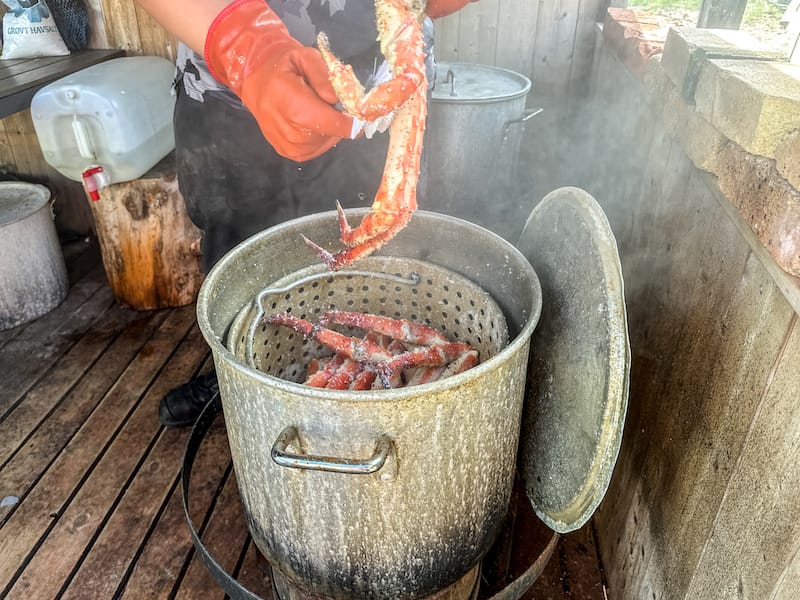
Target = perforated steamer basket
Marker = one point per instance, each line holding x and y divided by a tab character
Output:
382	493
400	288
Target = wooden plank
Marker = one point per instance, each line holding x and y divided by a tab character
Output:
24	66
155	40
28	158
25	358
255	573
753	329
123	30
759	528
446	38
97	26
517	35
583	46
33	460
665	283
669	283
225	537
552	56
62	375
166	552
7	165
789	581
582	576
107	563
477	35
20	81
721	14
110	443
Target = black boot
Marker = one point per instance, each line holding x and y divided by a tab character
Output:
182	405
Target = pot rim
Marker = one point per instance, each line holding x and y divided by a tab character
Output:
36	195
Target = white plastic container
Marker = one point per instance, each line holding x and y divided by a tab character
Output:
112	120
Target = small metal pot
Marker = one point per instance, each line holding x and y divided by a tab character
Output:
472	142
423	474
33	276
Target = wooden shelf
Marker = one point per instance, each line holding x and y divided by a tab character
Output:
21	78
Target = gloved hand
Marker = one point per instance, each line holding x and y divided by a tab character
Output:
442	8
283	83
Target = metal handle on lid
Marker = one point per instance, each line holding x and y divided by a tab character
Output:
351	466
451	79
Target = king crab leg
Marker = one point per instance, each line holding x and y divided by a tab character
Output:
432	348
402	43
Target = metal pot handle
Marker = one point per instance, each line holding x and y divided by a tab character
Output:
528	113
351	466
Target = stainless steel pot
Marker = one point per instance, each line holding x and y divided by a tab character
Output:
422	476
33	276
472	143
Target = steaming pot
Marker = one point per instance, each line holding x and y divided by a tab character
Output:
423	474
429	514
472	141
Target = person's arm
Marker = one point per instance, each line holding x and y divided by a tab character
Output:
283	83
442	8
188	20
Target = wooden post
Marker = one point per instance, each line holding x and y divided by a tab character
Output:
721	14
150	247
791	20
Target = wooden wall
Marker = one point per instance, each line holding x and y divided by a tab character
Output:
551	42
706	492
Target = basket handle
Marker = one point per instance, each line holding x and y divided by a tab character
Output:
380	458
412	279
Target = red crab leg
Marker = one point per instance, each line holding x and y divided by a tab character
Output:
345	376
434	356
424	375
396	199
358	349
364	379
321	377
402	43
403	47
398	329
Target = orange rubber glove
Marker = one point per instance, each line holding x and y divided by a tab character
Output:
442	8
283	83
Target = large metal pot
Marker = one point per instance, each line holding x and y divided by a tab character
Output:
33	276
434	463
472	143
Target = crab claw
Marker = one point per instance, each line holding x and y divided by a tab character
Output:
327	257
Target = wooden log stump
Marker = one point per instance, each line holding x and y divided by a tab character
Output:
150	247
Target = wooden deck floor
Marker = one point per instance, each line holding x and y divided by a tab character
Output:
90	481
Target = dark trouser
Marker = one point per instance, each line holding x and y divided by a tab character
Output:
236	185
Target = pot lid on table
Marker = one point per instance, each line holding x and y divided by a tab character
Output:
577	389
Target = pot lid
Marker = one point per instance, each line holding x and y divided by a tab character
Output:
577	389
19	200
466	82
